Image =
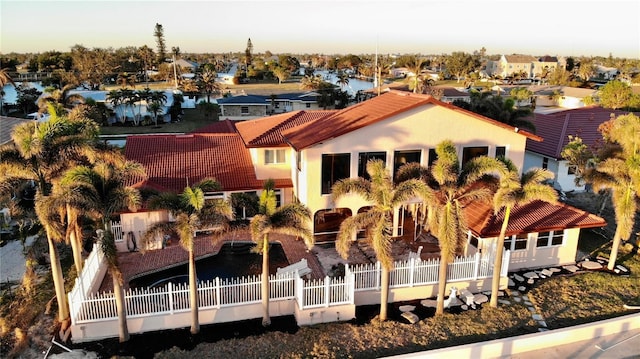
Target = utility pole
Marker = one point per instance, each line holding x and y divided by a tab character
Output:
175	73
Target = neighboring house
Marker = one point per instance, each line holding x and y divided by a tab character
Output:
606	73
556	128
243	107
7	125
561	96
306	152
190	66
512	64
288	102
450	94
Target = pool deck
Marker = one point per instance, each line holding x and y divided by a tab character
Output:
133	264
320	259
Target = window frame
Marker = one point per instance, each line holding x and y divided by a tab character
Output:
244	111
274	158
325	189
514	242
550	238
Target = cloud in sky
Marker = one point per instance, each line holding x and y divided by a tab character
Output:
541	27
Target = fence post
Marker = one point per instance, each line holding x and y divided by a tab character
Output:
327	286
217	291
476	266
300	292
352	288
378	274
170	290
506	259
412	268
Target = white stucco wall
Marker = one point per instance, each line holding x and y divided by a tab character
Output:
273	170
420	129
534	257
138	223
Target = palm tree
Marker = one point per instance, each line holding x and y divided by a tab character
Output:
208	83
416	81
343	79
116	98
452	189
513	192
191	212
385	199
60	97
619	172
290	219
5	79
41	152
104	193
158	99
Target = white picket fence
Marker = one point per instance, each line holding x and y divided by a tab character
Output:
240	291
91	273
116	229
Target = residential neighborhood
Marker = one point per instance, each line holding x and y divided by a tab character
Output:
155	201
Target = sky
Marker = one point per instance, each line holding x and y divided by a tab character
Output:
543	27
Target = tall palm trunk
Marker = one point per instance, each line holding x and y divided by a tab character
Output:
266	319
193	293
58	280
384	293
442	285
116	275
118	292
497	263
614	249
76	248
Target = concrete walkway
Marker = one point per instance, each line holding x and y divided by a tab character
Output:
12	260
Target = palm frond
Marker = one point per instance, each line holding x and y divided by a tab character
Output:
358	186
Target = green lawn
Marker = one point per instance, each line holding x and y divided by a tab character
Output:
192	119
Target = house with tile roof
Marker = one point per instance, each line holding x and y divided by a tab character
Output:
564	97
539	234
556	128
306	152
533	67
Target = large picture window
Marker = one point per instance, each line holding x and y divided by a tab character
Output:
469	153
334	168
403	157
364	157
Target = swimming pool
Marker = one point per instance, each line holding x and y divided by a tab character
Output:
233	260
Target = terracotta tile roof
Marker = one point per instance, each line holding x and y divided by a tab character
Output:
555	128
226	126
171	160
6	127
267	131
369	112
537	216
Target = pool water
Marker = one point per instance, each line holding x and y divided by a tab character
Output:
233	260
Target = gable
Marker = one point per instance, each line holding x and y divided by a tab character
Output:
267	131
370	112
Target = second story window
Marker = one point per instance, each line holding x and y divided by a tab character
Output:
334	168
469	153
501	151
274	156
364	157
